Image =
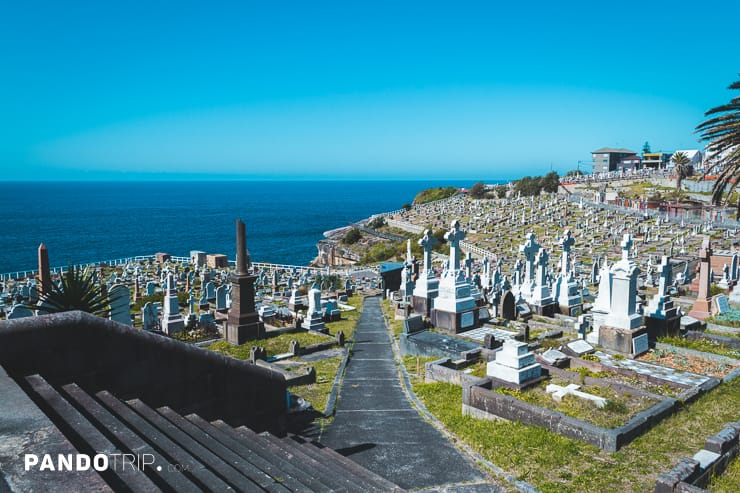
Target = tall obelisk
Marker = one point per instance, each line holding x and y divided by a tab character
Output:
243	323
44	271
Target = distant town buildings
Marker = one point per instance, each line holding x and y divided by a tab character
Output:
608	159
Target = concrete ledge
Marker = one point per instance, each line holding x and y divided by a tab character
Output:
99	354
692	474
25	429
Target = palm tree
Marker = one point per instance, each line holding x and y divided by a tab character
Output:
722	132
681	162
76	290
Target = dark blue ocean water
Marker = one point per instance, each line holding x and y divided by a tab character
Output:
90	221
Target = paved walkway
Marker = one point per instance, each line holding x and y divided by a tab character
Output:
377	427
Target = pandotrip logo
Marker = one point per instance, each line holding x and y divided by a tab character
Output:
97	462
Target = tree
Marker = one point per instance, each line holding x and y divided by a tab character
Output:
681	162
646	148
722	132
574	172
352	236
478	190
406	206
76	290
550	182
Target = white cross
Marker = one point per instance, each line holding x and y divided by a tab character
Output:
559	392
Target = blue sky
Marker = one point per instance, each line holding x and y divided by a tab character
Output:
468	90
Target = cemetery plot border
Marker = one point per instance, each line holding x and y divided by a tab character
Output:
480	401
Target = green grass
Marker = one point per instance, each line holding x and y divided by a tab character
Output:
618	410
412	363
317	393
349	319
396	325
273	345
729	481
554	463
704	345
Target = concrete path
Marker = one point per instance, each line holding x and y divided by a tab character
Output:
376	426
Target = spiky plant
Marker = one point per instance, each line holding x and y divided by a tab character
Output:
722	132
76	290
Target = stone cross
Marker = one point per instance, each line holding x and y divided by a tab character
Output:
566	242
427	242
559	392
665	271
626	245
529	249
453	237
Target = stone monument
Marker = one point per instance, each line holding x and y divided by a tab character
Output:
427	286
515	365
314	317
172	321
702	308
662	317
454	308
622	330
243	323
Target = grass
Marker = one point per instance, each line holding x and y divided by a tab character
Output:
704	345
273	345
617	411
554	463
349	319
414	363
729	481
396	325
317	393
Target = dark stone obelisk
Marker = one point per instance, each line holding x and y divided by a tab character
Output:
44	271
243	323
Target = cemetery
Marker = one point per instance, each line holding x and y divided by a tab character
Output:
554	315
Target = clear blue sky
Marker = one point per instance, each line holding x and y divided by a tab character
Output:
92	90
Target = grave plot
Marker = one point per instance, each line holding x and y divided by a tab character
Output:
694	362
604	400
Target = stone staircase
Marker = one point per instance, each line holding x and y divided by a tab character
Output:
188	453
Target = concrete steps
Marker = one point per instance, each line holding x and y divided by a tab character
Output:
190	453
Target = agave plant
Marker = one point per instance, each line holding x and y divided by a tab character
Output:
76	290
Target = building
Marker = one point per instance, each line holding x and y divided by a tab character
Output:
629	163
607	158
656	160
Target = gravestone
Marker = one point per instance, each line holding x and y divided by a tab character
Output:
314	317
149	316
514	364
427	286
722	304
151	288
172	321
19	311
662	317
508	310
702	308
221	298
210	291
120	304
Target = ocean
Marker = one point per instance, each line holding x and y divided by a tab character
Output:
84	222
